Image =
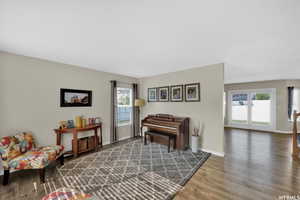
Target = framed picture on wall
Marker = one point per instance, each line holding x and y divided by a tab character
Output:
75	98
152	95
176	93
192	92
163	94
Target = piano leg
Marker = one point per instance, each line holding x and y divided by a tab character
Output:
145	139
174	142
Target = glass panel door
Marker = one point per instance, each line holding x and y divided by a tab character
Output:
261	108
253	109
239	108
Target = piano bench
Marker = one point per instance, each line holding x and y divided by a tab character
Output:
161	134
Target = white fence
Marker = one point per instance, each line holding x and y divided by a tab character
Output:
261	111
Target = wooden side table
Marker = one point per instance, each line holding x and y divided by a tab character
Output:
75	131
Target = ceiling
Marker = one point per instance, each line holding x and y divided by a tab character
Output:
256	39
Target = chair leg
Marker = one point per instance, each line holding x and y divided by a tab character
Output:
145	139
6	177
62	159
42	174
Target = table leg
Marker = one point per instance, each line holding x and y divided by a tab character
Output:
75	147
97	139
58	138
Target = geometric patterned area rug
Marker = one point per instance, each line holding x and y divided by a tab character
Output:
128	171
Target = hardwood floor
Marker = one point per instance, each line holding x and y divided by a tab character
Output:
256	166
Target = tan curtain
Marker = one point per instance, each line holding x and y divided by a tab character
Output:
113	112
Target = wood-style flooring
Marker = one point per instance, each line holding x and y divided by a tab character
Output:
256	166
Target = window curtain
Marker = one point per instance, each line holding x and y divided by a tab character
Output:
135	112
290	101
113	112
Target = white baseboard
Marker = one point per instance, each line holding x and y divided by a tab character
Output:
124	138
221	154
120	139
255	129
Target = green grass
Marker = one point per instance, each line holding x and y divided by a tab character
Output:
261	123
239	121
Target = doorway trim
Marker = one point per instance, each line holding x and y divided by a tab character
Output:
249	125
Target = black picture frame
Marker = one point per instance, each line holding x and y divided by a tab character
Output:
187	99
171	93
156	95
86	101
159	94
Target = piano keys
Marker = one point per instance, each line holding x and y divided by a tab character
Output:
168	124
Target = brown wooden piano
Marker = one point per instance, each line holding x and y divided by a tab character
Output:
168	124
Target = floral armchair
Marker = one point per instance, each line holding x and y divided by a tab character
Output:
19	152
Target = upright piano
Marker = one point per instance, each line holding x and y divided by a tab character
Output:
168	124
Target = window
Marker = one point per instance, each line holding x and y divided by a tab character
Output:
124	103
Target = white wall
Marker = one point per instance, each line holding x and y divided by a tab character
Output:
30	96
209	111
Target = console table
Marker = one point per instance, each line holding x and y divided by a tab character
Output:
75	131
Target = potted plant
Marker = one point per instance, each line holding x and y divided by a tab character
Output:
195	140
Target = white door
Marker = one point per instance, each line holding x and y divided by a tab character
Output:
252	109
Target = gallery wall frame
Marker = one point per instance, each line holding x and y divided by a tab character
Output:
176	93
192	92
163	94
152	95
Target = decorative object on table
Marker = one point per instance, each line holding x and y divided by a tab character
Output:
70	124
75	98
192	92
163	94
19	152
63	124
195	139
176	93
78	122
91	121
152	95
97	120
83	122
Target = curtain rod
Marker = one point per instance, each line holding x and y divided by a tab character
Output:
124	82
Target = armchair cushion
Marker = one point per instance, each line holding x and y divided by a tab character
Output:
36	158
14	146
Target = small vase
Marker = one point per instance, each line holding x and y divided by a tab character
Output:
195	144
78	122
